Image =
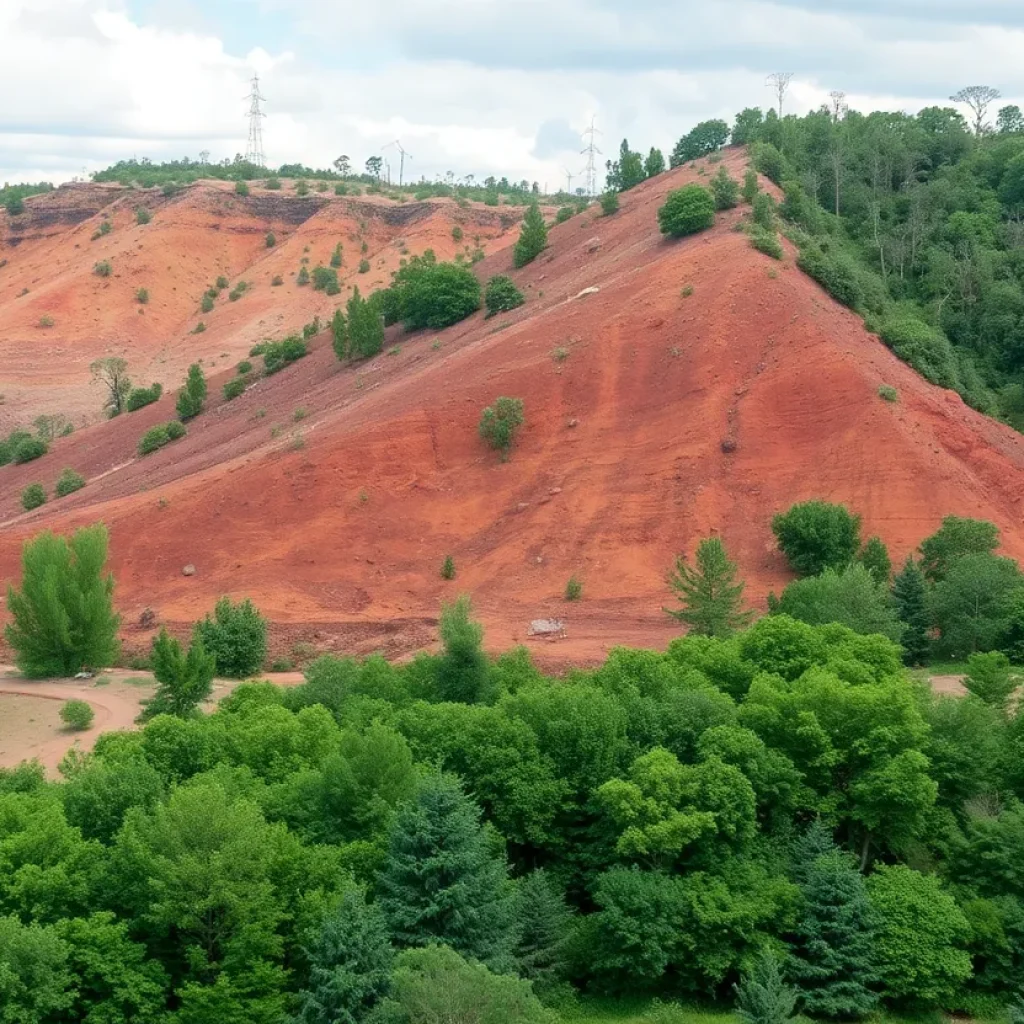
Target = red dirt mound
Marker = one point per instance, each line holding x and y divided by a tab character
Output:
700	389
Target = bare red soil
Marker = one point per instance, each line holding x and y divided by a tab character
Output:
336	525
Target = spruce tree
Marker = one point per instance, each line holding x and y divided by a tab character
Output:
63	617
532	238
833	962
909	596
350	962
442	881
542	931
193	394
185	680
462	669
710	593
762	996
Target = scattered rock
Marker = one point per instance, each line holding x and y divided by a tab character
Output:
573	422
594	244
555	490
188	570
728	445
83	675
522	505
593	290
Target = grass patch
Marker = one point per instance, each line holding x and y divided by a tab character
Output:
888	393
686	291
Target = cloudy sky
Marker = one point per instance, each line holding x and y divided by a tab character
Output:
472	86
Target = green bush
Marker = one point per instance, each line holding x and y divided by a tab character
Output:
925	348
888	393
276	281
816	535
278	354
325	279
564	213
68	482
456	233
33	496
236	636
303	276
301	188
207	304
160	435
425	293
222	283
103	268
574	589
765	211
833	271
725	190
233	388
142	296
139	398
499	423
448	568
769	161
241	188
192	396
76	714
687	210
750	185
28	449
336	257
244	367
142	215
533	237
767	242
175	430
502	295
274	184
609	203
271	240
364	266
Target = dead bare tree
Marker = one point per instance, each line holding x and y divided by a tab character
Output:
112	372
779	81
977	98
839	108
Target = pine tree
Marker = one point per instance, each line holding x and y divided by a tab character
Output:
193	394
710	593
442	881
339	334
185	680
763	997
833	960
532	238
874	556
908	594
63	617
462	669
655	162
350	965
542	930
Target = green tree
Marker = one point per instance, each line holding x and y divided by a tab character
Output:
462	668
63	616
436	985
874	556
442	881
909	597
193	396
350	960
365	327
502	295
302	278
816	535
762	996
543	926
35	984
954	539
627	171
68	482
533	238
184	680
990	680
499	424
33	497
112	373
920	937
339	334
725	190
706	137
833	957
336	256
850	596
686	210
747	126
750	185
236	637
609	203
655	163
710	594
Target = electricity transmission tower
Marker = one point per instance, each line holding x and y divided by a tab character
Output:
254	148
591	151
401	165
779	81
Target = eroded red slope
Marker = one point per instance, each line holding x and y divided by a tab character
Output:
340	536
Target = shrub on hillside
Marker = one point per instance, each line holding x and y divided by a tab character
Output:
687	210
274	184
192	396
236	636
243	368
103	268
924	347
364	266
233	388
764	211
76	714
270	240
725	190
33	496
142	215
769	161
836	274
278	354
817	535
425	293
533	237
241	188
303	276
325	279
610	203
301	188
750	185
142	296
68	482
160	435
139	398
499	424
221	283
28	449
336	258
502	295
767	242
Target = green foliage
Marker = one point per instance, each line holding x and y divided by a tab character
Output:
751	187
364	266
62	617
192	397
442	881
325	279
909	596
336	256
234	388
954	539
609	203
686	210
241	188
502	295
139	398
184	679
103	268
159	436
564	213
448	568
888	393
626	172
456	233
142	215
28	449
33	496
989	679
68	482
655	162
725	190
816	535
924	348
710	594
206	306
365	327
301	188
271	240
499	423
76	714
706	137
767	242
425	293
850	596
236	637
533	238
36	983
350	962
462	673
920	937
543	925
763	997
834	272
574	589
279	354
112	373
303	276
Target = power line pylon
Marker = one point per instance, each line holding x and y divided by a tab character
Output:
590	151
401	164
254	148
